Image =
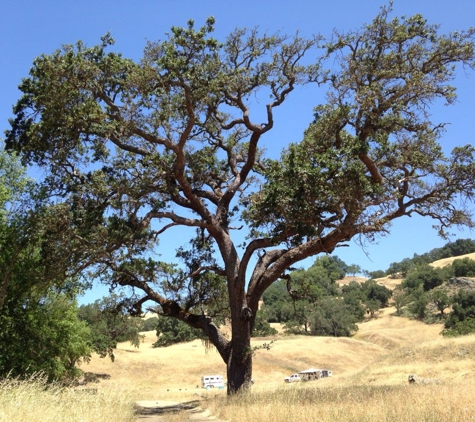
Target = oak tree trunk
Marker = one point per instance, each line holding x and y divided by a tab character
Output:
239	365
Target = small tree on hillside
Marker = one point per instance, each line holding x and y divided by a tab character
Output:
136	149
400	298
441	300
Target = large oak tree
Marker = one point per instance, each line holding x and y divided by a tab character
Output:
136	149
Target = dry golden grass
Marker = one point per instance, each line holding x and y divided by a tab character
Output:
35	401
348	279
379	389
369	383
447	261
382	354
308	403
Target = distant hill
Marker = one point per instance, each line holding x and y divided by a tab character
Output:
392	282
447	261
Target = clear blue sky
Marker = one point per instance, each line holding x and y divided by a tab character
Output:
32	27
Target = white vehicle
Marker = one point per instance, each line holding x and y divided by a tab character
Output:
212	381
293	378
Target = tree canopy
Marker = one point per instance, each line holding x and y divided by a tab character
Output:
136	149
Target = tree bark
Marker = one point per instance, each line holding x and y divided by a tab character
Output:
239	365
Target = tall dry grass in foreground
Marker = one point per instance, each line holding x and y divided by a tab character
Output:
302	403
35	401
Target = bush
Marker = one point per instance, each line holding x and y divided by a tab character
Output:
425	276
463	267
261	327
461	319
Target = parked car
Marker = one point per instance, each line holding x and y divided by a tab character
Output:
293	378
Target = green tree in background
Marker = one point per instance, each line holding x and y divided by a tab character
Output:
109	324
171	331
149	324
463	267
333	318
136	149
261	327
461	320
441	300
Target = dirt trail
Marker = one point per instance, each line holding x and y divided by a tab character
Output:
156	411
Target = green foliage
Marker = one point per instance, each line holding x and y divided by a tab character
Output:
133	149
457	248
149	324
400	268
333	318
42	334
377	274
299	319
463	267
441	300
261	327
277	303
109	324
460	328
39	328
461	319
426	277
418	307
376	292
171	331
356	304
370	294
400	299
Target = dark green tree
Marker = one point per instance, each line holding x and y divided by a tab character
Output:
425	276
377	292
109	323
261	327
333	318
149	324
463	267
377	274
418	305
457	248
461	320
39	329
353	269
277	305
441	300
134	149
42	334
400	298
172	331
400	268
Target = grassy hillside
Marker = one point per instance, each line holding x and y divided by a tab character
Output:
370	379
384	351
370	375
447	261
